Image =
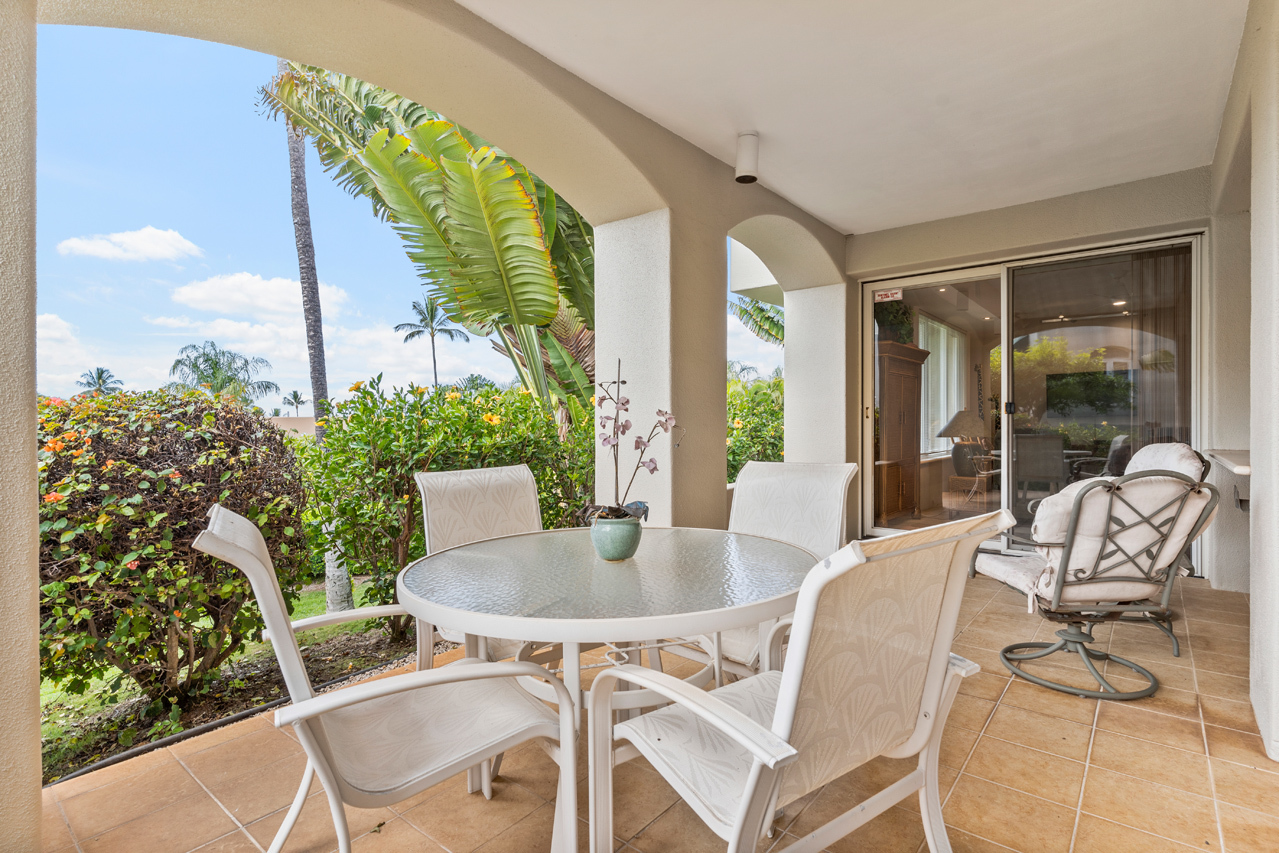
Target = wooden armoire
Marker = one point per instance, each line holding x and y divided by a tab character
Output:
897	457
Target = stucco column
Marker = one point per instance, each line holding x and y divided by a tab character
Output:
660	308
823	381
19	519
1264	515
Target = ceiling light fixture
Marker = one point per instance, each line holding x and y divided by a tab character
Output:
1120	302
747	157
941	290
985	318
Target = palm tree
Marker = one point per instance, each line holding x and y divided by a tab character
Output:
100	381
220	372
766	322
432	321
295	400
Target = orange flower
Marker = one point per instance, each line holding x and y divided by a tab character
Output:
54	497
54	446
77	452
175	476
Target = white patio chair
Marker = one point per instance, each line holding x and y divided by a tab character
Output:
805	504
381	742
1108	549
460	507
868	673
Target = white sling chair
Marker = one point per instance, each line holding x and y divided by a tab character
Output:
381	742
460	507
868	673
805	504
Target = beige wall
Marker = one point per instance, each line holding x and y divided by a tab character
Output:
19	578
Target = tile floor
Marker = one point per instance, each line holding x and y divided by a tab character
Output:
1024	769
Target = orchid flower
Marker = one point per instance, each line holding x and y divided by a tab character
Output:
651	465
640	444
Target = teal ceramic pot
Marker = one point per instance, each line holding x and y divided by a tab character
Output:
615	539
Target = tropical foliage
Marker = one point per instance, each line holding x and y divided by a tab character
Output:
218	372
365	503
295	399
433	322
125	483
503	254
755	422
1079	380
99	381
767	322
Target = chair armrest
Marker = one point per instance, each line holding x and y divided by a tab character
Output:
468	669
771	654
762	743
358	614
962	666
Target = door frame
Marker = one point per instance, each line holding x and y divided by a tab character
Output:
1199	315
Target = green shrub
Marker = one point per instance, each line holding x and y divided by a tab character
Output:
365	501
125	483
754	423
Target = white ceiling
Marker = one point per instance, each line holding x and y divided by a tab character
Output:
879	113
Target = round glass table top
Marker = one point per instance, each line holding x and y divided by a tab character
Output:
551	586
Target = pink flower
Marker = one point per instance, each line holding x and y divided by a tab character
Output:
132	564
665	420
604	419
640	443
622	403
651	465
607	440
624	426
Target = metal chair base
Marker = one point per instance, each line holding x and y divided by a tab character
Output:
1075	639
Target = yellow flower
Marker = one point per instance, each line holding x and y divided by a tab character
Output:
490	418
737	424
592	399
728	441
452	395
525	391
356	387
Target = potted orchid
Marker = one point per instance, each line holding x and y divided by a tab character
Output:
615	528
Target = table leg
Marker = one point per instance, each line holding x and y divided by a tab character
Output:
573	677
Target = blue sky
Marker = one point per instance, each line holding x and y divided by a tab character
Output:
164	220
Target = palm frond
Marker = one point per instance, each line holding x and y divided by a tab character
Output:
766	322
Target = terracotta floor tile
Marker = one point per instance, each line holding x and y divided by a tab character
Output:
1248	831
533	833
221	735
530	767
962	842
1143	805
1225	686
680	829
1171	673
1229	714
1166	700
1126	718
181	826
263	790
1153	762
1198	628
1094	835
987	810
113	773
1021	768
242	755
236	842
54	832
970	712
987	639
894	831
987	659
1225	664
1245	786
984	686
94	812
1005	623
1239	747
462	822
453	782
314	832
1040	731
1153	647
946	778
1222	646
956	743
400	836
640	796
1054	703
1238	618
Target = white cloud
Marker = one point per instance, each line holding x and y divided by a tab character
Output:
145	244
745	347
60	355
249	295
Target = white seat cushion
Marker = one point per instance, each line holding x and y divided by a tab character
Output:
499	649
707	767
388	743
1021	573
1167	457
1031	574
740	645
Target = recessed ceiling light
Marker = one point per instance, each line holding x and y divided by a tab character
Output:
1120	302
941	290
985	318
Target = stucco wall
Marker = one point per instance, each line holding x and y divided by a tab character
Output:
19	578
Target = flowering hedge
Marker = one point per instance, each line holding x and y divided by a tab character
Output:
754	424
365	502
125	483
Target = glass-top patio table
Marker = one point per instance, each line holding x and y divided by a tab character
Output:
551	587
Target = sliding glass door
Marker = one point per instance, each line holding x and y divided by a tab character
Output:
1000	386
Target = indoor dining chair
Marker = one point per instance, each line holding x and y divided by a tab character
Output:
380	742
868	673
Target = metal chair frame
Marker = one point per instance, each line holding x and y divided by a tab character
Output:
1148	564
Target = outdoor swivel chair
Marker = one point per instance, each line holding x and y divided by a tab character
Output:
380	742
868	672
1108	549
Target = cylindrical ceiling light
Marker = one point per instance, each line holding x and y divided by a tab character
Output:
747	157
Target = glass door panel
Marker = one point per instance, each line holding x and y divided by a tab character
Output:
936	433
1100	352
